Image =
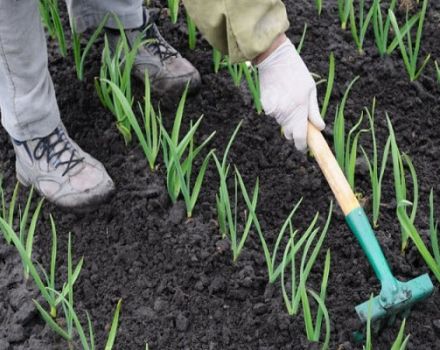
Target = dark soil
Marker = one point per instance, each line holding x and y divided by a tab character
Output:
179	287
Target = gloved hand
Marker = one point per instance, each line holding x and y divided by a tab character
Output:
288	93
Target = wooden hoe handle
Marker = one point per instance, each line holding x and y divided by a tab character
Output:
331	169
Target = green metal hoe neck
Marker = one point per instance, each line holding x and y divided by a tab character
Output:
359	224
392	291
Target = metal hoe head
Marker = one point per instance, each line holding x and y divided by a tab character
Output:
396	298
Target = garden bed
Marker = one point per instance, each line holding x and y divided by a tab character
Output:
179	287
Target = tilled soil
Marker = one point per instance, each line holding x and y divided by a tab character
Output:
179	287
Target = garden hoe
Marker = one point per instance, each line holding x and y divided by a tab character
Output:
395	296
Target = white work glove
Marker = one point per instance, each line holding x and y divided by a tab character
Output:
288	93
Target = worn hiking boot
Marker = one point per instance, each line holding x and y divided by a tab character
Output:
168	71
61	171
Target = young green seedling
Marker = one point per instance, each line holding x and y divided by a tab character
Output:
339	126
87	340
313	330
229	208
409	47
400	342
359	29
289	262
330	82
292	248
437	69
26	228
150	136
49	280
376	175
400	183
344	7
351	151
114	327
116	68
346	148
274	270
173	8
433	229
179	155
192	32
301	41
410	229
382	29
27	233
369	343
79	56
67	303
50	16
235	70
180	171
318	4
73	325
173	185
253	82
223	170
46	284
322	312
217	60
8	210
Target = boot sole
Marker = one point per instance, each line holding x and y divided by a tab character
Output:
82	208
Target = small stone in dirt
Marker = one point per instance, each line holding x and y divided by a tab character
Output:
362	166
314	346
177	213
199	286
18	296
153	191
226	335
26	312
268	292
283	321
4	344
38	344
222	246
345	346
16	333
260	308
182	322
5	251
217	285
436	324
218	315
146	313
246	282
247	271
160	305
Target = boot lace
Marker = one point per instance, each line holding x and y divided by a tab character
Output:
46	147
158	45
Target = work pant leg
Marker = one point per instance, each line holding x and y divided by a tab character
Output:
27	98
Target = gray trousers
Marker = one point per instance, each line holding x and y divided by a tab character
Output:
27	98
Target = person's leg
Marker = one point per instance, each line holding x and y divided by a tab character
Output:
86	14
168	71
46	157
27	98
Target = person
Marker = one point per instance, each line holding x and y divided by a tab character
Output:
48	159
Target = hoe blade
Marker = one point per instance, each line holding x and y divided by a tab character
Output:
416	289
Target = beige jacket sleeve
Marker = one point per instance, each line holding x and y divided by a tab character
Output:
241	29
